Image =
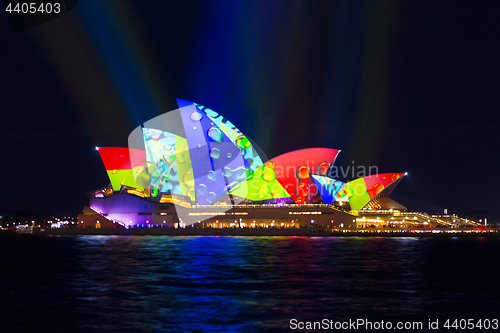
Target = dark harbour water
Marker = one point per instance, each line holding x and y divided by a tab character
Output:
241	284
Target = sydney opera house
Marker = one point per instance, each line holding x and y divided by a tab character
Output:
192	166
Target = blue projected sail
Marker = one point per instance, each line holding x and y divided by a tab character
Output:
328	188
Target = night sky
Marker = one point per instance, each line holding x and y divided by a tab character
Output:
407	86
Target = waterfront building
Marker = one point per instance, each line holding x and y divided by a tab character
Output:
192	167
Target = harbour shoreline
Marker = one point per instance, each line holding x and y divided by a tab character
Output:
304	232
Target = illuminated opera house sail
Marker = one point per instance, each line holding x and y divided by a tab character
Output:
192	165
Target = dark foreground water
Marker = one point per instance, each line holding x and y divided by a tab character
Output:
241	284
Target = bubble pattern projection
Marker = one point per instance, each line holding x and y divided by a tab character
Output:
196	129
293	171
216	175
121	163
167	162
261	184
215	159
360	191
232	132
328	188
